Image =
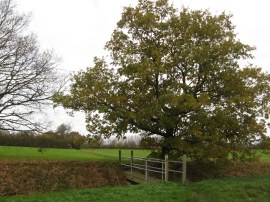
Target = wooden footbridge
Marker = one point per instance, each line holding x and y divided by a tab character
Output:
140	170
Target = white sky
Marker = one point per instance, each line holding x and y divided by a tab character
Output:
77	30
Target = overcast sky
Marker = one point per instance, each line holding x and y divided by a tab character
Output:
77	30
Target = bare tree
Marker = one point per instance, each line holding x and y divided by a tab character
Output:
28	78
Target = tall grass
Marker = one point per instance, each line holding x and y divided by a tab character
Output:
230	189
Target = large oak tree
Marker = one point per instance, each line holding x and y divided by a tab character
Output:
175	75
28	78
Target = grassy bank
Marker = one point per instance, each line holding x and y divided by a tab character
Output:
29	177
230	189
27	153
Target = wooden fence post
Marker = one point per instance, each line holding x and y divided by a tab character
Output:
162	170
184	169
146	171
119	153
131	164
166	168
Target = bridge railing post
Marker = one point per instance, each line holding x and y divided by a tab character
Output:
120	156
162	170
166	168
146	171
184	169
131	164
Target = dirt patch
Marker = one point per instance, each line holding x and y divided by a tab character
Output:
28	177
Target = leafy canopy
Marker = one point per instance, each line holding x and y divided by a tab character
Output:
174	74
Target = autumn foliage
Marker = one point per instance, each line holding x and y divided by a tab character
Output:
175	74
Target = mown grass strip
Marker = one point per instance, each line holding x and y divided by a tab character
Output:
230	189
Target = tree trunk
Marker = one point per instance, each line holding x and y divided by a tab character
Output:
167	146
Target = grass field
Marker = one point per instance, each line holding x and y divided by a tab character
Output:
229	189
264	156
27	153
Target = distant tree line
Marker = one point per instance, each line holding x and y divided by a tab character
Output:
64	137
61	138
72	139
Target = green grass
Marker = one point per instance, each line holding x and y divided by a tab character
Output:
230	189
27	153
264	155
